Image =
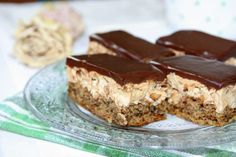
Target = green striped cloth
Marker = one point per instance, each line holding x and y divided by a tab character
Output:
15	117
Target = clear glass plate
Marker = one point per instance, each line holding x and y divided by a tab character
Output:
46	95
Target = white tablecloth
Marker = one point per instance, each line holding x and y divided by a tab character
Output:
143	18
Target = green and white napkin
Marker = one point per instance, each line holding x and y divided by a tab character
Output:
16	118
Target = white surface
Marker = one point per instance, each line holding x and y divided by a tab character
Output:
138	16
216	17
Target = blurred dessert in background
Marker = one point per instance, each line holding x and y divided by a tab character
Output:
48	36
39	43
66	16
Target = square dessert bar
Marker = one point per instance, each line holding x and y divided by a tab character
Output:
200	44
202	90
121	43
116	89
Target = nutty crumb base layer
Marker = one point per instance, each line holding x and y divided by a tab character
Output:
132	115
196	111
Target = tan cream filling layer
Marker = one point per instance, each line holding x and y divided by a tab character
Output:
231	61
184	87
107	88
95	48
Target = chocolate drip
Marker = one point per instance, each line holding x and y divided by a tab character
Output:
212	73
125	44
120	69
200	44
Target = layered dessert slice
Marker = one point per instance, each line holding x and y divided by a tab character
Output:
202	90
201	44
121	43
116	89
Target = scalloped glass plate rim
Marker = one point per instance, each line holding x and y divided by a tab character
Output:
116	136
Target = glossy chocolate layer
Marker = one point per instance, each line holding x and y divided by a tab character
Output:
212	73
125	44
200	44
122	70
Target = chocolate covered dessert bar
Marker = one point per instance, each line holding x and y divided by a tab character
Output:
200	44
202	90
117	89
121	43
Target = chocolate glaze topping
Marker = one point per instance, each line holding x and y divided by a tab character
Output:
122	70
200	44
212	73
125	44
